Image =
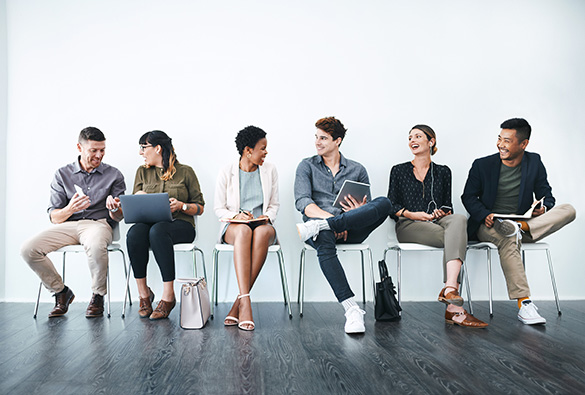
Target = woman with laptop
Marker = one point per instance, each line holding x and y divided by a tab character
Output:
420	192
246	200
162	173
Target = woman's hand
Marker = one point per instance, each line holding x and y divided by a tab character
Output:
244	215
175	205
440	214
418	216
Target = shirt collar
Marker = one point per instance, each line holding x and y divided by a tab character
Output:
342	160
78	168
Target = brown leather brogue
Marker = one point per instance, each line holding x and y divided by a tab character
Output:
95	307
452	297
146	305
469	321
62	302
163	309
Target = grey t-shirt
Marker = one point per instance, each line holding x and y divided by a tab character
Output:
508	190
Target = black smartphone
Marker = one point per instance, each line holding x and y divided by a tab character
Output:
446	209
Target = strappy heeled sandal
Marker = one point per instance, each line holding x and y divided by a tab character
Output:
234	320
242	323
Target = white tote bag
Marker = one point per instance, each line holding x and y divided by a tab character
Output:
195	306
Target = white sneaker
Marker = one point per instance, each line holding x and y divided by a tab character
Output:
507	227
528	314
354	320
308	229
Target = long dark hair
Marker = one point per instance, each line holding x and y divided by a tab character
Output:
169	158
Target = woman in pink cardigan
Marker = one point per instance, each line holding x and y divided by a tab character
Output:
246	194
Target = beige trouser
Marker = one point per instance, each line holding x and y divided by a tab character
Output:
93	235
510	254
449	232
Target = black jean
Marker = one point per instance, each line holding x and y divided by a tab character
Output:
359	223
160	238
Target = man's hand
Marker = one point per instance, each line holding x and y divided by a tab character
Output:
341	235
350	203
78	203
112	203
538	211
489	220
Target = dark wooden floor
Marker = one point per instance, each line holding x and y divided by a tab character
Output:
312	355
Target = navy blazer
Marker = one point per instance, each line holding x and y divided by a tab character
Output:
481	187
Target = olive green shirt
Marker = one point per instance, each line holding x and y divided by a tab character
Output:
184	186
508	190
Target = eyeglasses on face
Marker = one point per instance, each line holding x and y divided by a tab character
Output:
144	146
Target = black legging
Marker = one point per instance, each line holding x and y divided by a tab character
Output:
160	237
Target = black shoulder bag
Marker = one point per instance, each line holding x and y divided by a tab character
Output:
386	307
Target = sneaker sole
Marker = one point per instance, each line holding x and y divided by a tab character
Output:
534	322
299	233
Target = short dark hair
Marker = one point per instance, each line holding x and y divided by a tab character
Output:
332	126
91	133
520	125
249	137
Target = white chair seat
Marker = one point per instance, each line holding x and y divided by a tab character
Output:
538	246
415	247
230	248
361	248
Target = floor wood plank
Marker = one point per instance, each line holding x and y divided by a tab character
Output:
308	355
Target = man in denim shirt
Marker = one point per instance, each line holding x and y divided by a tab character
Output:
317	183
84	205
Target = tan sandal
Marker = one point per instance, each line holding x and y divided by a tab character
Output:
469	321
452	297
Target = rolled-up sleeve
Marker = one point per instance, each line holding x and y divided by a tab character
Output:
303	186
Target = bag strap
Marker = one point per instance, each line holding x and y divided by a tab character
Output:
383	269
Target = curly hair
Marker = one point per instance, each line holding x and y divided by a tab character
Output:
430	133
332	126
169	158
249	137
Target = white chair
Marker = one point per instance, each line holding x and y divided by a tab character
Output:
488	247
361	248
77	248
230	248
181	247
415	247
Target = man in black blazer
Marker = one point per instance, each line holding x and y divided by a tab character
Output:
508	183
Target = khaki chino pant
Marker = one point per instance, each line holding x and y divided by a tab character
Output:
449	233
93	235
509	251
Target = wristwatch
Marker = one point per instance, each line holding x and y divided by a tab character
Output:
185	207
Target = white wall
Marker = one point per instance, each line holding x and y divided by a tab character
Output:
201	71
3	124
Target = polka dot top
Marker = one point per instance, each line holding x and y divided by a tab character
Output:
406	192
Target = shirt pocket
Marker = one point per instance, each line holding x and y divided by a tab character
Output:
179	192
152	188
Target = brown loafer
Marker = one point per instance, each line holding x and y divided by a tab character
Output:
96	306
146	305
450	297
163	309
62	302
469	321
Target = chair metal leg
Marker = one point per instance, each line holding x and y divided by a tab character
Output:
489	269
194	263
363	278
214	259
284	282
38	299
126	274
372	273
468	285
552	279
302	282
108	288
399	275
127	294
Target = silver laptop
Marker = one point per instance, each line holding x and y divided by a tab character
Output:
147	208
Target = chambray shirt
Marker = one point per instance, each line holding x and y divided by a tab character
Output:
103	181
314	183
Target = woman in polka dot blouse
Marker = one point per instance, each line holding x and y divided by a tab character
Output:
420	192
